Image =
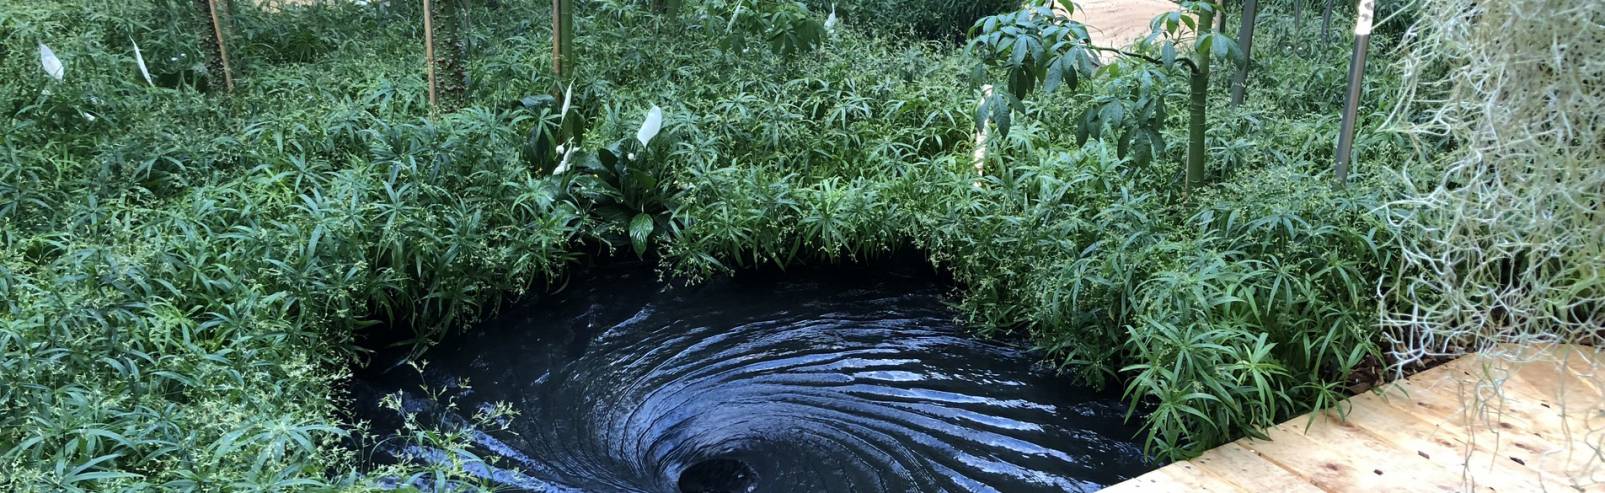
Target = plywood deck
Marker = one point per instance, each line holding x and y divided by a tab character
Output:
1117	23
1546	433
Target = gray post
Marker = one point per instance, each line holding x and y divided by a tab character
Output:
1220	16
1362	42
1246	39
1298	16
1326	23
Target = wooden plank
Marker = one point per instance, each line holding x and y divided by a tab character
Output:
1341	458
1182	476
1519	404
1441	443
1541	429
1249	471
1519	428
1117	23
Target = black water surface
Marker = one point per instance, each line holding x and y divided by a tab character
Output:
841	379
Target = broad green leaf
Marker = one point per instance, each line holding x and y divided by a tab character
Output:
1055	75
641	227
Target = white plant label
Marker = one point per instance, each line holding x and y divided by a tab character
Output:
1362	19
51	64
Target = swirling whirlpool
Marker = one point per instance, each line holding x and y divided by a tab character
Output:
818	381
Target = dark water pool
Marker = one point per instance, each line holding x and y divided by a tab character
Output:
827	380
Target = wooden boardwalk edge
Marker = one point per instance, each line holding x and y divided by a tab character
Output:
1541	429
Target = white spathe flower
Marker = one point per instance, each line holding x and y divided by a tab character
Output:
650	127
51	64
830	21
568	157
139	58
568	100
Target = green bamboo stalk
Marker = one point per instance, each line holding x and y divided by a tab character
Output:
1198	110
563	38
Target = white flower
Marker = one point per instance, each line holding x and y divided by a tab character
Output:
650	127
51	64
830	21
563	166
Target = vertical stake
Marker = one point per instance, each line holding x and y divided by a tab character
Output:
1362	42
429	52
1326	22
1246	39
222	49
562	38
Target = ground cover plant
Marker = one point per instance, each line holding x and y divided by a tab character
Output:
183	269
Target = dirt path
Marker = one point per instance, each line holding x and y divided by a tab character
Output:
1118	23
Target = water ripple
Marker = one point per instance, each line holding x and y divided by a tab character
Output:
827	383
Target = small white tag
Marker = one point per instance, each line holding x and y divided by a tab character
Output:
1362	18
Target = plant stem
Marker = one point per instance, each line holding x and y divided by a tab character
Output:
1198	111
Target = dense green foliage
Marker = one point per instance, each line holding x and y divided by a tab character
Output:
932	19
182	270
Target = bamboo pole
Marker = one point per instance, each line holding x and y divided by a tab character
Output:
563	38
429	51
1198	109
222	49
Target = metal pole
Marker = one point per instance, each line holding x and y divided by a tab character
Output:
1245	35
1326	23
1362	42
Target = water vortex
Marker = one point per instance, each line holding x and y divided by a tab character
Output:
819	381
